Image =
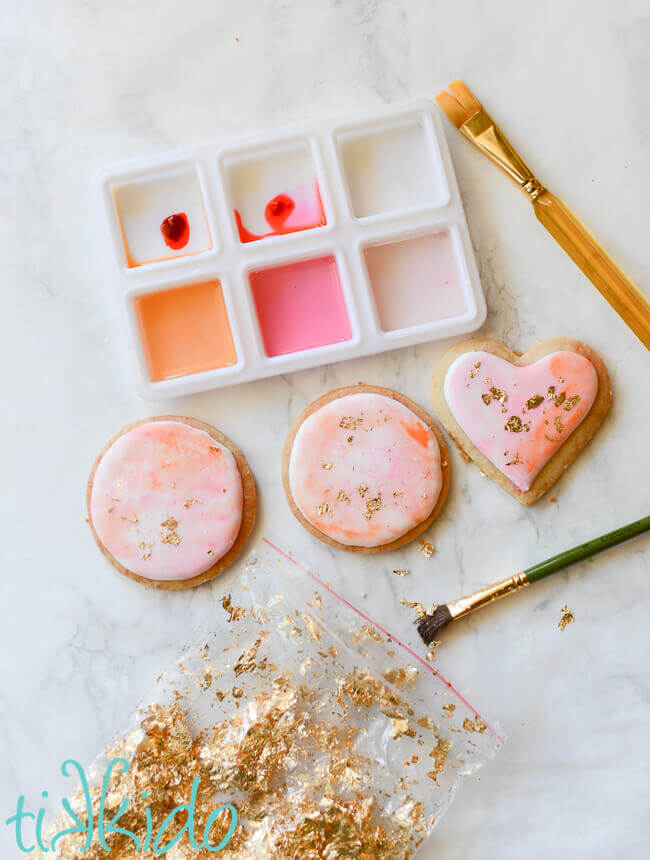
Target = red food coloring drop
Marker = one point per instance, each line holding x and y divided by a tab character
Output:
278	210
176	231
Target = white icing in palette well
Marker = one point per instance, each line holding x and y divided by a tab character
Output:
415	281
390	169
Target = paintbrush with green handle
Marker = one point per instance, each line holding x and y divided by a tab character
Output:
430	626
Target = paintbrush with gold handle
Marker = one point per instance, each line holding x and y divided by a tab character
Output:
431	625
473	121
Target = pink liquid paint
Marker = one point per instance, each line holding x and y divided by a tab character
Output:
300	306
415	281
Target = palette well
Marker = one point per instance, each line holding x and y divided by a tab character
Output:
300	306
415	281
390	169
281	251
274	192
162	217
185	330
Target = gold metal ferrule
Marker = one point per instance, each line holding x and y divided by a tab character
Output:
465	605
485	134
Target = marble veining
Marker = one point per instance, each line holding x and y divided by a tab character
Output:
88	83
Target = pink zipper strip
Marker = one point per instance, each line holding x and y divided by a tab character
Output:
387	633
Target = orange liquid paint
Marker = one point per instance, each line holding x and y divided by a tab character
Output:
185	330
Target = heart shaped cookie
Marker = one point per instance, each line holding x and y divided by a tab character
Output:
521	418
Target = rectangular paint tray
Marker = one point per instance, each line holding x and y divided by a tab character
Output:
275	252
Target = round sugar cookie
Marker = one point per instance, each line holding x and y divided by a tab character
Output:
365	469
171	501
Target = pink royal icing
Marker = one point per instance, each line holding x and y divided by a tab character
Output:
167	500
365	470
518	417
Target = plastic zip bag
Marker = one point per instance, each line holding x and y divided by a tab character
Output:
297	727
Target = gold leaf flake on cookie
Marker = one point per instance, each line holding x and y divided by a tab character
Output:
558	399
146	550
513	424
534	401
171	538
571	402
347	422
373	505
499	395
401	571
170	523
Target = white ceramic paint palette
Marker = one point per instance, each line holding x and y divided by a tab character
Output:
270	253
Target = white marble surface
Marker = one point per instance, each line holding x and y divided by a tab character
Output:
88	82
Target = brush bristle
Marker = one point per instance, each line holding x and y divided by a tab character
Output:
462	93
460	105
431	625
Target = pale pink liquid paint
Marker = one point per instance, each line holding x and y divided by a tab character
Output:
300	306
415	281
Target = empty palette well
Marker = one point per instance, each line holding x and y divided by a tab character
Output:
275	192
300	305
388	169
162	217
415	281
185	330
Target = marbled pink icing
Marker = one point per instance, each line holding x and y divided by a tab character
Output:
154	474
520	455
390	451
